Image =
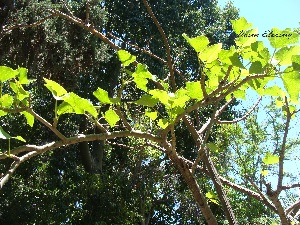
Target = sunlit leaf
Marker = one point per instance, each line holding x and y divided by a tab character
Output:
264	172
270	159
29	118
151	115
19	138
212	197
284	55
198	43
6	100
247	38
3	134
57	90
7	73
102	96
296	62
281	38
240	25
291	79
210	53
141	76
194	90
163	123
161	95
125	57
111	117
23	75
19	90
147	100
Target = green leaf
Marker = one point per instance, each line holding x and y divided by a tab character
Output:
79	105
296	62
284	55
212	147
19	90
256	68
210	53
2	113
270	159
274	91
281	38
291	79
125	57
147	100
247	37
161	95
111	117
240	25
212	197
198	43
6	100
19	138
57	90
151	115
7	73
141	76
102	96
194	90
264	172
29	118
23	75
64	108
163	123
3	134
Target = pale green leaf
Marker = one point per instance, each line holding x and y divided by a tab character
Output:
65	108
194	90
274	91
163	123
264	172
19	90
210	53
270	159
57	90
102	96
3	134
291	80
284	55
7	73
247	38
151	115
281	38
6	100
240	25
19	138
212	197
141	76
111	117
29	118
125	57
212	147
147	100
161	95
198	43
23	76
2	113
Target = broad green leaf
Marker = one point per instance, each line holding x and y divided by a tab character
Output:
210	53
161	95
284	55
102	96
256	68
79	105
19	90
281	38
212	147
29	118
111	117
151	115
7	73
57	90
125	57
147	100
19	138
163	123
270	159
296	62
141	76
198	43
274	91
3	134
240	25
246	38
23	75
194	90
2	113
64	108
291	80
212	197
264	172
241	94
6	100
